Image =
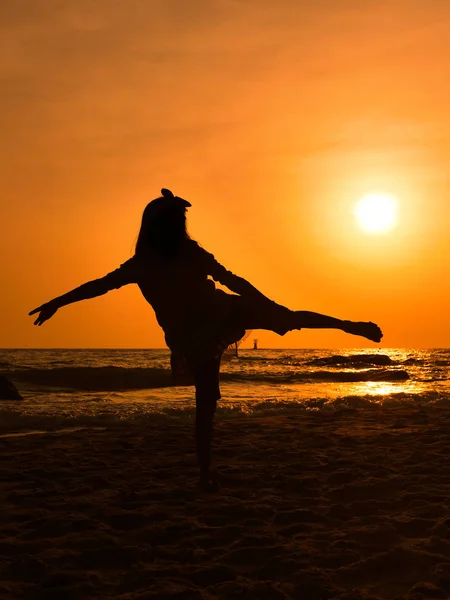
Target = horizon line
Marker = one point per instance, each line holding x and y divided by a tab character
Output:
240	348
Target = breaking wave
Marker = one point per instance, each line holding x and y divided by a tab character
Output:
13	422
123	378
354	361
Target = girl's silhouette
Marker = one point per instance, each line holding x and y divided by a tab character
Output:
199	321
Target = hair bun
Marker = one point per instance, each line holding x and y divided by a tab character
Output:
166	193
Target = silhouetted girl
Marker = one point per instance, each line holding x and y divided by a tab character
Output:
199	321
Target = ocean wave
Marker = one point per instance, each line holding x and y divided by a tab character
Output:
95	378
414	362
354	361
122	378
15	421
322	376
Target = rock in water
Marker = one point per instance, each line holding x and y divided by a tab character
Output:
8	390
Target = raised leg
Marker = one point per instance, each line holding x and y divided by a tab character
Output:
275	317
312	320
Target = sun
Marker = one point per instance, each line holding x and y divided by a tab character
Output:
376	213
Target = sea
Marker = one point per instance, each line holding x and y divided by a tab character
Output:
96	387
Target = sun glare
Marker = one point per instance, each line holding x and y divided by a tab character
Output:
376	213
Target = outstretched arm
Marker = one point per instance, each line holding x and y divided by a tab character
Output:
233	282
91	289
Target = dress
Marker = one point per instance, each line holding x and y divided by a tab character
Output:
199	321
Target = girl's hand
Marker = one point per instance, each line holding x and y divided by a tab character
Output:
46	311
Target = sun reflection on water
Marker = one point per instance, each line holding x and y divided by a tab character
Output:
384	388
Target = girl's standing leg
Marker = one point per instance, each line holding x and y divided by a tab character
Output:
207	393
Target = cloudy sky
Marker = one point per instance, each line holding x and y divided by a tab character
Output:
272	118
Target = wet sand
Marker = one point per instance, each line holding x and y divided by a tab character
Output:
351	505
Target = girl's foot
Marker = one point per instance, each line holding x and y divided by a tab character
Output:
368	330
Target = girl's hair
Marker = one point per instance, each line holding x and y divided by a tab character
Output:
163	229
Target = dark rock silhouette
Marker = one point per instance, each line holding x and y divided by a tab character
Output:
8	390
353	361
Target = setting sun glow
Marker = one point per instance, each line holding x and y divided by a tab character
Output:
376	213
312	139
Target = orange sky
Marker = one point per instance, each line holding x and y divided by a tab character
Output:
272	118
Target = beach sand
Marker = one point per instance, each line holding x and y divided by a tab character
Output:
352	504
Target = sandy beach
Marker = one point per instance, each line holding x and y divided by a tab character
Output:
353	504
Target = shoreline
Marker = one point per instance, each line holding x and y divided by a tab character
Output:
347	504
